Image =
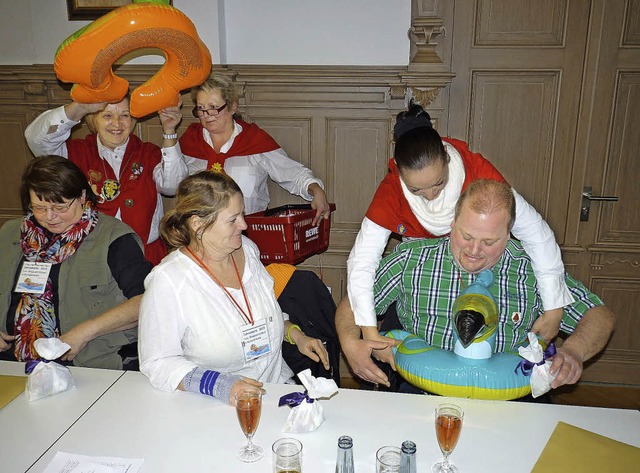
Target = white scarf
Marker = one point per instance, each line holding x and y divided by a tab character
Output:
436	215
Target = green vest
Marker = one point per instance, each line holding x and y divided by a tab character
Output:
86	287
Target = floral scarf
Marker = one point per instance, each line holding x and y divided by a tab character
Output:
35	316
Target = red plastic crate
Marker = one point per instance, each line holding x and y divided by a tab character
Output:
285	234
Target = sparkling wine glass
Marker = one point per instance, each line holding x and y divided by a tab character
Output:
248	408
448	427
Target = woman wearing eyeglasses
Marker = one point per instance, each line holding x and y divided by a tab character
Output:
221	141
69	271
127	174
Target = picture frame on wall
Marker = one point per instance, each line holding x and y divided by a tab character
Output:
89	10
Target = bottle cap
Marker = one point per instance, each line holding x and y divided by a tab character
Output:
408	446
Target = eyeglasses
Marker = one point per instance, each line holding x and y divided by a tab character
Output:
213	111
55	208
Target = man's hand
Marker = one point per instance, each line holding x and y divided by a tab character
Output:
5	341
359	351
568	366
358	354
588	339
385	355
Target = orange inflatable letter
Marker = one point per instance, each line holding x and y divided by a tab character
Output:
86	57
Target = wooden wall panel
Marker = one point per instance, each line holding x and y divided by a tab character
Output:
631	29
520	22
15	156
360	151
620	361
501	102
497	38
621	222
294	136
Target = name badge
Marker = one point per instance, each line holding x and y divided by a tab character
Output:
33	277
255	340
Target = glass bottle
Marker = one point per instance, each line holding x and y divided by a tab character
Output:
408	457
344	464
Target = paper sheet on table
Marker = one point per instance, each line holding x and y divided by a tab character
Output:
73	463
10	387
571	448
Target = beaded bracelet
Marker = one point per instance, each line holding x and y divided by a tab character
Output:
289	333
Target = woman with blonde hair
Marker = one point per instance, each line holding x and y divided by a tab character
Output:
127	174
222	141
209	321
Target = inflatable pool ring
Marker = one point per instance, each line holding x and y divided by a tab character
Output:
471	371
447	374
86	57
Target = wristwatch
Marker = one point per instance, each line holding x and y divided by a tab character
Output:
173	136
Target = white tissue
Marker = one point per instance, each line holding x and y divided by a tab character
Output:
308	416
50	378
541	378
317	388
51	348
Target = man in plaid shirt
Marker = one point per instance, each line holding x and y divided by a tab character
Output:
425	276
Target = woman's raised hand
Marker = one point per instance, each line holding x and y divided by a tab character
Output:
171	117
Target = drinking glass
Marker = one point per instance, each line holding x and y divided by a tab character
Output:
388	460
287	456
248	408
448	426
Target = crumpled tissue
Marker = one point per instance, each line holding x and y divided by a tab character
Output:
306	411
47	377
537	364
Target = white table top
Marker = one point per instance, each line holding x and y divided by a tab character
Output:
30	428
180	432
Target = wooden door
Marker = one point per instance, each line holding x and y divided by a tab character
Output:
607	245
549	91
515	97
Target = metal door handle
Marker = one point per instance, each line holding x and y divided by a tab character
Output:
587	197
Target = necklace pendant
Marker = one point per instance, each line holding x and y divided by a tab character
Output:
110	189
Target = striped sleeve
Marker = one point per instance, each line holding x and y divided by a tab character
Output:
387	284
584	300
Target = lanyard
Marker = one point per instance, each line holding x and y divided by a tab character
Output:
248	318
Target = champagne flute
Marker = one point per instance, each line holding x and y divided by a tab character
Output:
248	408
448	427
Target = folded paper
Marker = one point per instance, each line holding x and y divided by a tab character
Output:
571	448
10	388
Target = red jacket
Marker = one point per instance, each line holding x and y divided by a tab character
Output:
138	193
390	209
